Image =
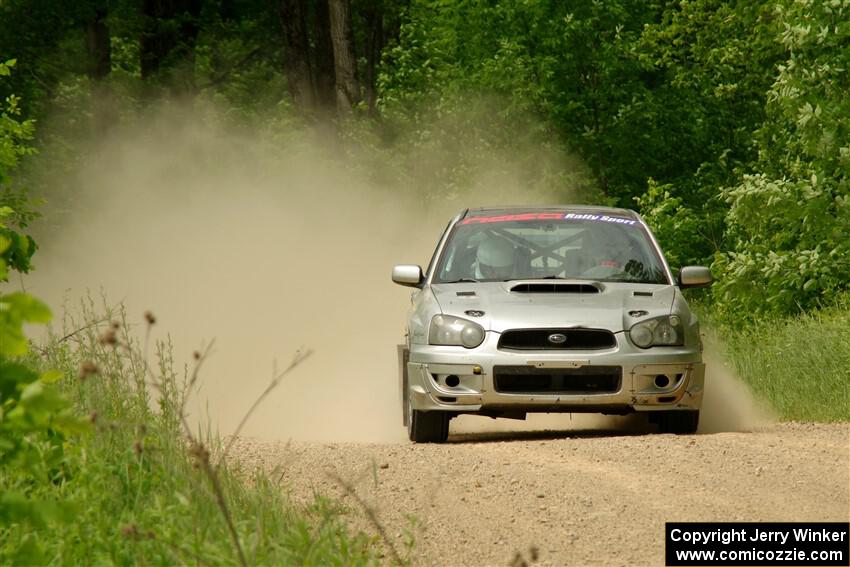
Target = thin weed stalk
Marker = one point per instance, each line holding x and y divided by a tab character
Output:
144	478
300	356
372	515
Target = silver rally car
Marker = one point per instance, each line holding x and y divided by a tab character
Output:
555	309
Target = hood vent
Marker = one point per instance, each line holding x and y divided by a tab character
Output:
555	288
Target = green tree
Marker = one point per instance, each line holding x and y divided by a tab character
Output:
669	91
789	221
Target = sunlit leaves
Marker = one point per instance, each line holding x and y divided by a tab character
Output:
15	310
790	223
676	225
15	132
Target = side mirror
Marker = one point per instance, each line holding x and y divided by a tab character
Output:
408	274
694	276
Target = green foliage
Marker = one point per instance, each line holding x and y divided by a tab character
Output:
677	226
16	249
669	93
34	30
14	132
18	308
713	63
791	249
717	58
35	419
800	364
567	62
638	90
789	224
138	491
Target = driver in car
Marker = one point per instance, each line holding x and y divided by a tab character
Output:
494	259
607	255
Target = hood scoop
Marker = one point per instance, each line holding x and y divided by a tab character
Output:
555	288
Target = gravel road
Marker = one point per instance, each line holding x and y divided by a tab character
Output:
577	497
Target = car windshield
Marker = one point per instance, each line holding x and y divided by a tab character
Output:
591	246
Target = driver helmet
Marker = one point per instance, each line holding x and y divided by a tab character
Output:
495	258
608	248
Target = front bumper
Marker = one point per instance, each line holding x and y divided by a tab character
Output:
461	380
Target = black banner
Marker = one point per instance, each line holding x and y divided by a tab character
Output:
744	544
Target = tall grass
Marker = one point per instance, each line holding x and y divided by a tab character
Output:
801	365
144	488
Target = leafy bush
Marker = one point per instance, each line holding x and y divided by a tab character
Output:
36	421
544	67
16	249
791	249
678	228
789	223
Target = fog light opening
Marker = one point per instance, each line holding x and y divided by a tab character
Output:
452	381
662	381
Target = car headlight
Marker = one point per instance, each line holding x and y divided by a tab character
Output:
659	331
454	331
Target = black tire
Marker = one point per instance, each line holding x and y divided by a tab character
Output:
681	422
427	426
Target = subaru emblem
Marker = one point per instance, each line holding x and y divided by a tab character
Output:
557	338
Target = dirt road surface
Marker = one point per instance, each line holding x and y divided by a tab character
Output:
576	497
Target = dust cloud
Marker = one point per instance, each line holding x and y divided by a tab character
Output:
268	246
728	404
264	246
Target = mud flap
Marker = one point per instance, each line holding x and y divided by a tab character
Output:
403	357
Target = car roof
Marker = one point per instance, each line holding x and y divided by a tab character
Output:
585	209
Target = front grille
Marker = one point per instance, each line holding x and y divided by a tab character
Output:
539	339
531	380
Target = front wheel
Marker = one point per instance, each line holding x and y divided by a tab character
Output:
427	426
679	422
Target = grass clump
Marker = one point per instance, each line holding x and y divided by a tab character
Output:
800	364
142	486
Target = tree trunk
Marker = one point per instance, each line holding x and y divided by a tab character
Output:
324	51
97	44
296	64
393	22
99	51
167	44
155	42
189	15
345	62
374	45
